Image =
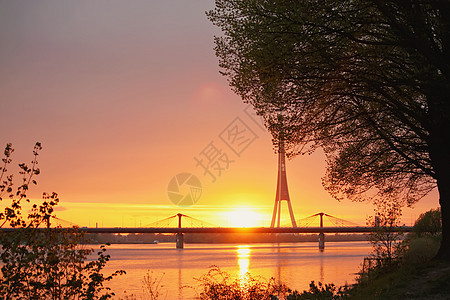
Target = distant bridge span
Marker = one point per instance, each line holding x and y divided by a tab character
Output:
241	229
180	231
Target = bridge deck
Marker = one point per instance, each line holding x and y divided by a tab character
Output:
232	229
242	230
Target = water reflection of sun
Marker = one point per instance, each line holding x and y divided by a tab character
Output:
243	255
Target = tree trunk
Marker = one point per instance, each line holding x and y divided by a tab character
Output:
440	158
438	143
444	201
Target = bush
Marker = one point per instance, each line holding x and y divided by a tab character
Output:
421	249
320	292
216	285
429	222
44	263
48	263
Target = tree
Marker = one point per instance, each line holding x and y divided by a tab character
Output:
367	81
428	223
386	239
39	262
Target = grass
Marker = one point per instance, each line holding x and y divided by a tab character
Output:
418	277
429	280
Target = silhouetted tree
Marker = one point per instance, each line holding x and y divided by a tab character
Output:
386	239
38	262
367	81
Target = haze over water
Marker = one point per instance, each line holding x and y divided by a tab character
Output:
294	264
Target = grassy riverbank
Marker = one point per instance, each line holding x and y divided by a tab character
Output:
429	280
416	276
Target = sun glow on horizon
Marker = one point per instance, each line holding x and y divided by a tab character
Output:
244	217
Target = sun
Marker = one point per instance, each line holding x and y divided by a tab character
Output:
244	217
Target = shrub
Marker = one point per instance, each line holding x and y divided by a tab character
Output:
421	249
429	222
216	285
44	263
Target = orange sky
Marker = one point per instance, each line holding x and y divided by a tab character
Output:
123	96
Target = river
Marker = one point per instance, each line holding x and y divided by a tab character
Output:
294	264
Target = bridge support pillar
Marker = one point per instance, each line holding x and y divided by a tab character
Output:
180	236
180	240
321	235
321	241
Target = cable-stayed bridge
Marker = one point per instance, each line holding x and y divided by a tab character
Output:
180	224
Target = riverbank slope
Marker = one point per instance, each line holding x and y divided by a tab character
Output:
422	281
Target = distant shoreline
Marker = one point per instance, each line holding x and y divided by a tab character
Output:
220	238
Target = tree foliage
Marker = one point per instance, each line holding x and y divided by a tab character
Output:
428	223
367	81
386	239
39	262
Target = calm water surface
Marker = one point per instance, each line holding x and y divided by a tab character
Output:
294	264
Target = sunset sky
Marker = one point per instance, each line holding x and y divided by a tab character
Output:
125	95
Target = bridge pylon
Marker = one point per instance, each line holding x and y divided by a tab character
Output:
180	235
321	234
282	189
